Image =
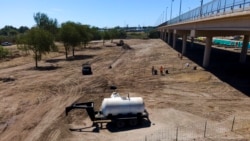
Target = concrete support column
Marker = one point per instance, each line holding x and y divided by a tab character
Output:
192	42
207	51
165	36
184	43
243	55
169	37
174	40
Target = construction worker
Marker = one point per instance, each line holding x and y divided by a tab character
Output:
153	70
166	70
161	70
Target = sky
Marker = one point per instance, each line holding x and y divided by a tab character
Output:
99	13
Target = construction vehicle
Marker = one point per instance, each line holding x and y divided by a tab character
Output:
116	109
86	69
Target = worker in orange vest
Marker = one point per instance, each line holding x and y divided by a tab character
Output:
161	70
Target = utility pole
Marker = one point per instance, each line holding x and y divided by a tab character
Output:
171	9
180	10
163	17
166	13
201	8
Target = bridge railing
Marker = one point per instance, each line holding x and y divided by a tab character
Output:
213	8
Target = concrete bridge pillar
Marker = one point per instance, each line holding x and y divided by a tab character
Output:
160	34
165	36
206	57
169	37
174	40
243	54
184	43
192	42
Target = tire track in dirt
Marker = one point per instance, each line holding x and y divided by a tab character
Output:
181	91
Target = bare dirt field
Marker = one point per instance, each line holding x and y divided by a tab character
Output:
185	104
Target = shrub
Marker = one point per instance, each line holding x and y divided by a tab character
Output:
3	52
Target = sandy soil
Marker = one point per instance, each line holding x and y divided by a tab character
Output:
32	106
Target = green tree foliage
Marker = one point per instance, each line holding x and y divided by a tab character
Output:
96	34
85	32
22	44
3	38
8	30
40	42
23	29
105	36
44	22
122	34
8	34
70	36
118	33
113	33
3	52
153	34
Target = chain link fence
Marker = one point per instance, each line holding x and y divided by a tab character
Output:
201	131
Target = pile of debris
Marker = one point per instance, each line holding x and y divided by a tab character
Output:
121	43
126	47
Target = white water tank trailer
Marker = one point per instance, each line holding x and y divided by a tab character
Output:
117	109
117	105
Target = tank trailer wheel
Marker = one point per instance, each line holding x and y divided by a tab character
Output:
133	122
120	123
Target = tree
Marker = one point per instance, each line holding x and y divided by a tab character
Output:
113	33
122	34
22	44
70	36
87	36
44	22
40	42
105	36
85	33
6	31
23	29
154	34
3	52
96	34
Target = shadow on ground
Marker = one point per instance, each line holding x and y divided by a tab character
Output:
112	127
93	48
45	68
223	64
71	58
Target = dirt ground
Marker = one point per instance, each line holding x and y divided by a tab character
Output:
186	104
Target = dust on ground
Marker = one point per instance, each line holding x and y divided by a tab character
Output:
184	100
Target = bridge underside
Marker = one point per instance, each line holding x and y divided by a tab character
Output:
224	25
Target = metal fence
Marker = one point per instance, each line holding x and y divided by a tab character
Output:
201	131
213	8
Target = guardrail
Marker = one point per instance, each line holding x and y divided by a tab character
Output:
213	8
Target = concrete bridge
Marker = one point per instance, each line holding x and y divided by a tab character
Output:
216	18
